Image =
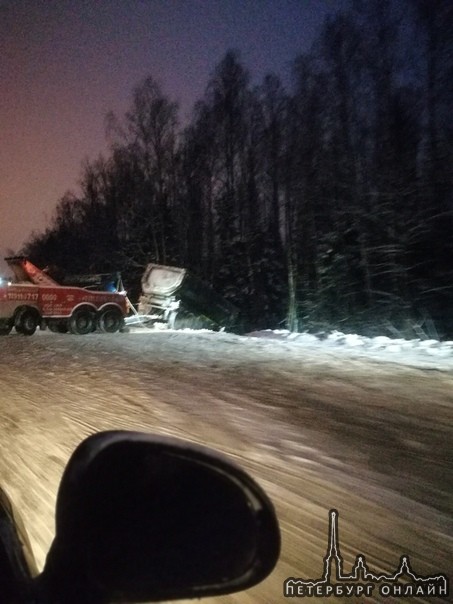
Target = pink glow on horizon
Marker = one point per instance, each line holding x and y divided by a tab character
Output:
66	63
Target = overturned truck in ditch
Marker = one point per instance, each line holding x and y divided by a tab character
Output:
178	299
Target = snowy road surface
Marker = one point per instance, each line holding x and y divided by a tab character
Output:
318	427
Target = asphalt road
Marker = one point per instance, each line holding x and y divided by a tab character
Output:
370	439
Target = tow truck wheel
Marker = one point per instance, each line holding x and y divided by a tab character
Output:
5	329
110	320
57	326
26	321
81	321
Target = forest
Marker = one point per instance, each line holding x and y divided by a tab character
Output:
322	204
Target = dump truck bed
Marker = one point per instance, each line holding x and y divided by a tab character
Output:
170	290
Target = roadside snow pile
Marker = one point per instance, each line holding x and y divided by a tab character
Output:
429	354
422	354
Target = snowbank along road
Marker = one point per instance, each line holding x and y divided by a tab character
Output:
318	426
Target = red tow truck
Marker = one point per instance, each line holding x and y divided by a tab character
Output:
33	299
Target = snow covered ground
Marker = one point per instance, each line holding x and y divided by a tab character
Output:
427	354
361	425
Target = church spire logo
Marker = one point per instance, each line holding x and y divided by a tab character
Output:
361	581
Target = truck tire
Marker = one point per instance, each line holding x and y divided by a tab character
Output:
110	320
82	321
57	326
26	321
5	329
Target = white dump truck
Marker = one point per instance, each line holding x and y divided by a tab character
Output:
176	298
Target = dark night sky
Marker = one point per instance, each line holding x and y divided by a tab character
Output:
66	63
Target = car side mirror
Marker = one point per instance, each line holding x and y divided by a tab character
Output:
149	518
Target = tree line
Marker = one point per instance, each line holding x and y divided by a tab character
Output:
323	204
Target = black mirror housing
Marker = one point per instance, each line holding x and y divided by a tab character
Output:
149	518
